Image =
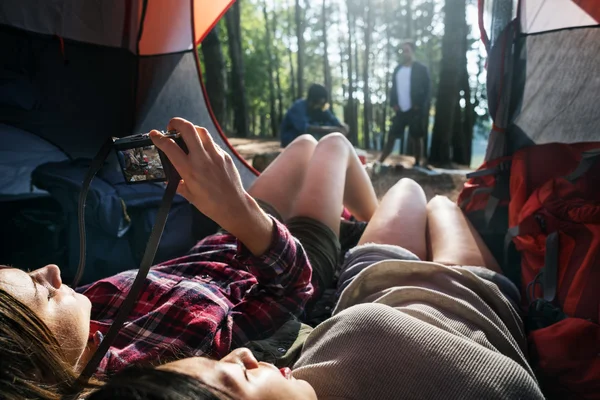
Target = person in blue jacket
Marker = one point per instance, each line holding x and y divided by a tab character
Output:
311	115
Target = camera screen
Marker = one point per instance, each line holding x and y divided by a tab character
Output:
141	164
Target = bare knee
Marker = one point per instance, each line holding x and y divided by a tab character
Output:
336	139
305	140
441	203
407	186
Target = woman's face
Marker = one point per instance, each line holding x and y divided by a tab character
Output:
240	376
65	312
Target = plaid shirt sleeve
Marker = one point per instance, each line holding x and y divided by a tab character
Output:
284	286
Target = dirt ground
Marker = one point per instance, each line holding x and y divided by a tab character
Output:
435	182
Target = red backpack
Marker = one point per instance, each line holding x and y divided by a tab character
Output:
554	219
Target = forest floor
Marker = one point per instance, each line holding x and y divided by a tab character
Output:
435	181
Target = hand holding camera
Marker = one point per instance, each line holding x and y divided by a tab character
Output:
211	182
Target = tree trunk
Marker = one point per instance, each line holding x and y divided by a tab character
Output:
270	67
326	66
341	46
409	20
263	125
448	89
215	75
367	111
350	112
388	78
293	91
277	72
300	58
239	101
464	133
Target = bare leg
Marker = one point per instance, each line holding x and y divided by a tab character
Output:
401	219
387	149
335	176
453	239
418	149
280	183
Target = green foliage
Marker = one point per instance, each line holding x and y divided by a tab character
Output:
390	28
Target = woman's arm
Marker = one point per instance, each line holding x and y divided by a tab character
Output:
211	182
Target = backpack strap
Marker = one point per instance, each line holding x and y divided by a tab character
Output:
511	270
588	159
475	192
550	269
483	172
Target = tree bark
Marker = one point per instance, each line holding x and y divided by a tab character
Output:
367	110
341	46
463	134
270	67
326	65
350	112
215	75
448	89
300	58
239	101
277	71
409	20
293	92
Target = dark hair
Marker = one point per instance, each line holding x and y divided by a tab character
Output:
317	92
32	364
412	44
147	383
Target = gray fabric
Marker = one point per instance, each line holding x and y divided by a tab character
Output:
171	87
561	89
419	330
505	285
20	153
99	22
366	255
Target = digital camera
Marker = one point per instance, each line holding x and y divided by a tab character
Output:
141	161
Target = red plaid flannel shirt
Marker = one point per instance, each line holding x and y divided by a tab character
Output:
217	297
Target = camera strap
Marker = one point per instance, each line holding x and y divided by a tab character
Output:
147	259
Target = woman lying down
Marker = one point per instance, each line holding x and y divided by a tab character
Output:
403	328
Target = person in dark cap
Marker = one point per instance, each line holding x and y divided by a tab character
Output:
311	115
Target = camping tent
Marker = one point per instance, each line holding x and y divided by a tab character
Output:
74	73
543	72
543	85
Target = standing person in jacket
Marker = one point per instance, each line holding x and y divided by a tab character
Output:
409	99
310	116
229	289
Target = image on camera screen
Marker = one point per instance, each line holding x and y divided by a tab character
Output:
141	164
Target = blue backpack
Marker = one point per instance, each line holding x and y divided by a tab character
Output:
118	219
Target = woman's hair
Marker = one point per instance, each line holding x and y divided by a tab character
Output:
147	383
32	365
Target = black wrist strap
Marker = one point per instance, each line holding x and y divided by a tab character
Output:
148	258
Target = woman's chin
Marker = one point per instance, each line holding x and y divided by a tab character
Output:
84	302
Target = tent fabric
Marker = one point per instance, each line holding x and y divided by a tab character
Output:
496	14
561	87
116	23
20	154
542	74
170	87
76	94
547	15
